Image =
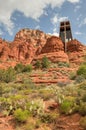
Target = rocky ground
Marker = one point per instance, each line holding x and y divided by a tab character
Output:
69	123
63	123
6	123
53	76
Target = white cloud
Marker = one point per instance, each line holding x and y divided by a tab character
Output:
73	1
55	21
33	9
63	19
77	8
54	34
78	33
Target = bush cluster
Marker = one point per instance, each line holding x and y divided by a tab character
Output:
82	71
63	64
38	64
21	115
66	107
7	75
44	63
19	68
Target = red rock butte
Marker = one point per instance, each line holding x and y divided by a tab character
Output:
30	45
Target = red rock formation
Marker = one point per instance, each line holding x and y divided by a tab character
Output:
74	46
54	50
4	50
24	47
53	44
76	51
35	37
31	45
22	51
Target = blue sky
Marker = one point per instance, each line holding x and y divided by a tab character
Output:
44	15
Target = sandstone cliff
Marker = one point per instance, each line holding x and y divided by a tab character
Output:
26	44
30	45
76	51
54	50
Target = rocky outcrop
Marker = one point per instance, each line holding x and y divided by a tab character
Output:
53	44
26	44
18	50
76	51
30	45
4	50
74	46
22	51
54	50
35	37
54	57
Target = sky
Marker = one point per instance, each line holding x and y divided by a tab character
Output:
44	15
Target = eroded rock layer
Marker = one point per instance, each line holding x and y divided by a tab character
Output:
30	45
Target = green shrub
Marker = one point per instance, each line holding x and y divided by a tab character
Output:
8	75
19	68
84	63
84	98
38	64
1	90
23	68
27	68
82	85
62	84
66	107
79	79
72	75
6	106
48	117
45	118
82	71
76	108
21	115
45	62
46	94
63	64
1	74
83	122
82	109
19	101
35	107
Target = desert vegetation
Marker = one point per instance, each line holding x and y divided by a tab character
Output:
26	101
